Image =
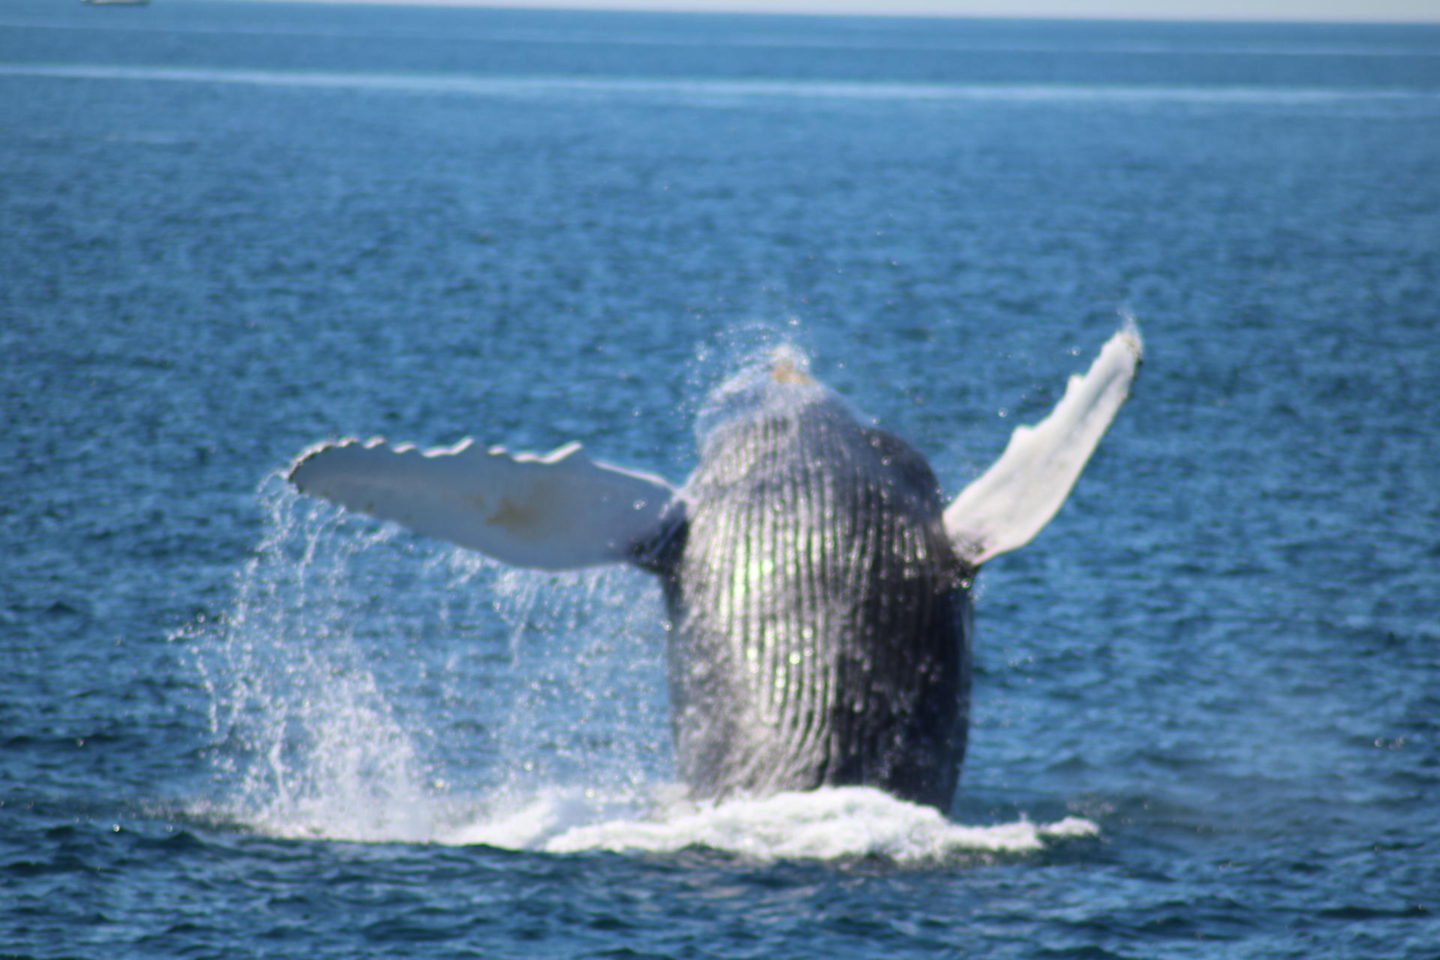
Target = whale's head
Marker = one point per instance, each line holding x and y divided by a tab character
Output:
778	387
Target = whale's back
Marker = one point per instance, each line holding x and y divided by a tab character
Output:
819	619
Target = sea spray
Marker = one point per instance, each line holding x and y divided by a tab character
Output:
309	742
579	701
369	685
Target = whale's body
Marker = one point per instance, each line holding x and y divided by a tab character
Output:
819	615
817	586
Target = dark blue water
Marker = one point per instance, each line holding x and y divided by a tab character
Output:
235	723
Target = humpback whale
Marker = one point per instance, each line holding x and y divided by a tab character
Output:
817	586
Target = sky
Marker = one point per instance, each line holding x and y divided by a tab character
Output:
1317	10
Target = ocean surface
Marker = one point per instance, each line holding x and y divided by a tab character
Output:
238	723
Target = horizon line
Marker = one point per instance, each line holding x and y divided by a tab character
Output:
873	9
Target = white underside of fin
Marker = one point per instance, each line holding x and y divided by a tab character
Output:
1013	500
560	511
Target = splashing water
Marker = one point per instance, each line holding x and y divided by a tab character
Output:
309	742
368	685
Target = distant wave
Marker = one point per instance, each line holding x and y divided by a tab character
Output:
718	90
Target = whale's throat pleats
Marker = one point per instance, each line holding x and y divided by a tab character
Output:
820	625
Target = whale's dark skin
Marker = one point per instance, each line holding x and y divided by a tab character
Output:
819	618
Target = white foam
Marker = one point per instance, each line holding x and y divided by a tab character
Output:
831	824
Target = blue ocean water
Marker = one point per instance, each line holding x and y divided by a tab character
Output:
237	723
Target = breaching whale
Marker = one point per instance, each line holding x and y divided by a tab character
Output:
817	586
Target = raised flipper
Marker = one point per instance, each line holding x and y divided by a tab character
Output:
557	512
1013	500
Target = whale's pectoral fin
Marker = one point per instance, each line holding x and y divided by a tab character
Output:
560	511
1013	500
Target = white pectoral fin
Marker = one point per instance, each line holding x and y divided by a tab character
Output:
1013	500
560	511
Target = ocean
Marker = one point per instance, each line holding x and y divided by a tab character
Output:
236	722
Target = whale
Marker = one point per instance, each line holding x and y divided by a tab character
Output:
817	584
